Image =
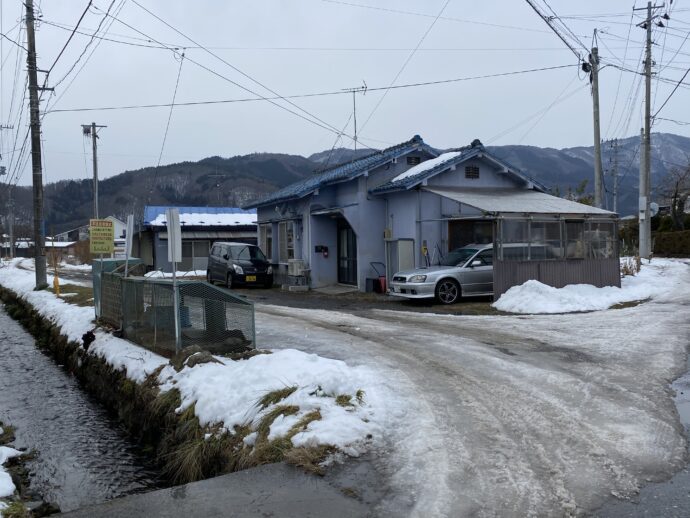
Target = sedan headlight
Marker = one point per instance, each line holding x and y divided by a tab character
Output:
269	270
238	269
417	278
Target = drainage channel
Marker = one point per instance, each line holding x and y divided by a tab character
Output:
83	456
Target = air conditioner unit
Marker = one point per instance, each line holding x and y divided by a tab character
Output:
295	266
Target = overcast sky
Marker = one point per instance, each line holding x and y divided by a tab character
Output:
300	47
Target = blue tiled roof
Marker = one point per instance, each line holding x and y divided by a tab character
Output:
346	171
151	212
466	153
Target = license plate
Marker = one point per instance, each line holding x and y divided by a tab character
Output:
251	278
396	290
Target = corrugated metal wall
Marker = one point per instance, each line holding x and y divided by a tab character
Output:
599	272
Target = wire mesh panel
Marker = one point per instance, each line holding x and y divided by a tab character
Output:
210	317
215	319
111	299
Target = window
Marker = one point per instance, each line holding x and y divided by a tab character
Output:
414	160
600	238
545	240
574	239
472	172
287	241
266	239
486	257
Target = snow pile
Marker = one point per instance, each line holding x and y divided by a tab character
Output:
75	267
655	280
168	275
228	393
428	164
6	485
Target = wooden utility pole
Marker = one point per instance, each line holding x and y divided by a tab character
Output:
10	206
615	175
92	129
37	169
598	179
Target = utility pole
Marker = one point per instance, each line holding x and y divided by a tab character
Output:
36	166
645	163
615	175
598	179
10	206
92	129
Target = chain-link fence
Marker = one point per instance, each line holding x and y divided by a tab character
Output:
210	317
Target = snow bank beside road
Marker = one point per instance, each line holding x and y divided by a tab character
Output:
227	393
655	280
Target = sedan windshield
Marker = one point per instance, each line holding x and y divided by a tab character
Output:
458	256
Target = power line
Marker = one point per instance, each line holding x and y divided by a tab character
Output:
404	65
672	92
167	127
70	38
14	42
426	15
318	94
321	122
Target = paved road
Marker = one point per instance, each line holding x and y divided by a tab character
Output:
513	416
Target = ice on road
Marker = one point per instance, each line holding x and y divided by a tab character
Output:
513	415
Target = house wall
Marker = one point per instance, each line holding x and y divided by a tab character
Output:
324	270
489	177
118	226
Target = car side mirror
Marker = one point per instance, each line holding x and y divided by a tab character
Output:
226	256
474	263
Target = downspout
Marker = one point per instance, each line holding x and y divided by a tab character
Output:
418	244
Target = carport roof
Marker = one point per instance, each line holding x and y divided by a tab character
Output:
517	201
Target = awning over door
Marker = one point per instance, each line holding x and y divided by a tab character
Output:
517	201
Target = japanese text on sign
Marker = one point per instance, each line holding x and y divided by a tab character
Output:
102	236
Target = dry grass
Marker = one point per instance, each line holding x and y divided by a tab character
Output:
15	510
83	297
275	397
631	266
344	400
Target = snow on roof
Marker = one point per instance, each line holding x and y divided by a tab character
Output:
201	216
59	244
425	166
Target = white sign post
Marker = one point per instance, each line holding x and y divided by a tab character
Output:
172	217
129	234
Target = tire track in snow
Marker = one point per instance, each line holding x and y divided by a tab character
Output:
527	486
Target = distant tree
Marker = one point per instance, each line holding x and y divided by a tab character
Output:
580	195
675	188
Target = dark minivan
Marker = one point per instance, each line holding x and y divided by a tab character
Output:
236	264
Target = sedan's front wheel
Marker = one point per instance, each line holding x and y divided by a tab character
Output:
448	291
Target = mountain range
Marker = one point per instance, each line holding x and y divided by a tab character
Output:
234	181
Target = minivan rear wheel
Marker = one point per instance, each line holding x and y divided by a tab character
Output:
448	291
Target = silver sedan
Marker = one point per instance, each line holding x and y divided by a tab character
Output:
464	272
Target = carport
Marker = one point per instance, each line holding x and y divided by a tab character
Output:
543	237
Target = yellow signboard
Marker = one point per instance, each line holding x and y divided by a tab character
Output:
102	236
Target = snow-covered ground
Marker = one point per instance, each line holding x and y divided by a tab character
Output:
539	415
526	415
654	280
227	393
